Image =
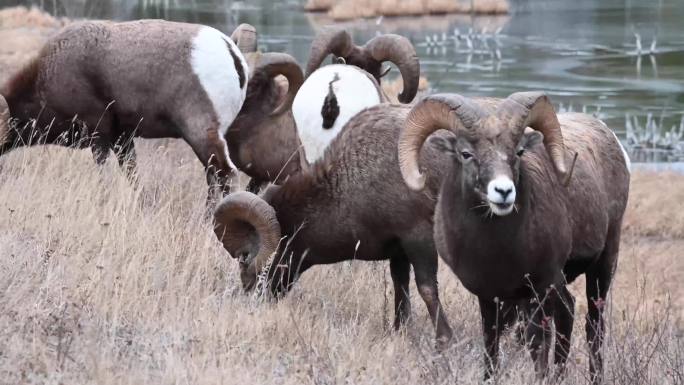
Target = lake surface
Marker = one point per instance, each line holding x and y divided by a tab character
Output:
585	54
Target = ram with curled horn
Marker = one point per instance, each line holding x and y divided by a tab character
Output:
334	93
262	140
514	221
352	204
369	57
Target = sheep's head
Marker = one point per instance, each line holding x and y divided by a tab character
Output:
267	66
249	230
394	48
488	144
4	121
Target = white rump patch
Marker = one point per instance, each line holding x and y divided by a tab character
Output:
213	65
354	90
628	162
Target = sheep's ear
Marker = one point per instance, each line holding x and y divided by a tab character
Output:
446	145
532	138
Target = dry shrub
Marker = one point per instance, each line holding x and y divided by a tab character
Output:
490	7
22	33
18	47
354	9
652	213
318	5
401	7
446	6
17	17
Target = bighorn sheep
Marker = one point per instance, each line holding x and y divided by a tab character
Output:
334	93
262	140
352	204
99	84
254	132
511	223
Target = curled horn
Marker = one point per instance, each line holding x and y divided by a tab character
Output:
242	215
245	36
534	110
4	121
330	41
399	51
442	111
274	64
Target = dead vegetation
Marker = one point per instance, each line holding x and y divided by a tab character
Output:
354	9
23	32
19	17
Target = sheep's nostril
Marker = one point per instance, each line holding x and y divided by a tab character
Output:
503	192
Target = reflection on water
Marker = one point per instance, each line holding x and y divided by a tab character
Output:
619	59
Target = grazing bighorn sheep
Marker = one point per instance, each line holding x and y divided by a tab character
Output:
352	204
334	93
99	84
262	140
511	223
252	135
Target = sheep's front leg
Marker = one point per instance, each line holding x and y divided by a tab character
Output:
538	334
100	145
212	151
400	271
564	318
97	129
492	326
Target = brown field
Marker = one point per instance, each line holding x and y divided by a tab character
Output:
354	9
104	283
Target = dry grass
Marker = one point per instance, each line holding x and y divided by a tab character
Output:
646	199
16	17
354	9
23	32
103	283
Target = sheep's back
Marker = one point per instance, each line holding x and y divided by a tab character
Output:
597	194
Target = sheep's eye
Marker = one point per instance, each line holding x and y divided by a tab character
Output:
466	155
520	151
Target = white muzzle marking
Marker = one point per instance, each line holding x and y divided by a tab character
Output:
501	195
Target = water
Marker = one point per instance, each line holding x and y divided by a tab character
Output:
583	53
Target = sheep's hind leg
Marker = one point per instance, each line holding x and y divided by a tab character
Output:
424	261
124	148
